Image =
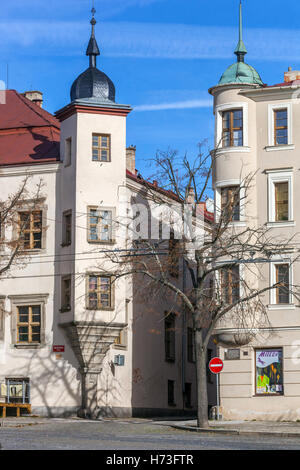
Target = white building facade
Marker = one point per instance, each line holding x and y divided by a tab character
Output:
256	133
72	339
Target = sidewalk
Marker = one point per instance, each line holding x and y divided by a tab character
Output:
265	428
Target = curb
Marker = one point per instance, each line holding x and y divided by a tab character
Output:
236	432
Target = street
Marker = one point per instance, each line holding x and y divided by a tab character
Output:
67	434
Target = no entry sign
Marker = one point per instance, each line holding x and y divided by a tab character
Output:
216	365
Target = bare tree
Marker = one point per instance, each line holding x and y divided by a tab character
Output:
213	251
13	226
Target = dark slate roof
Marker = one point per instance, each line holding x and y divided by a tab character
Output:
93	84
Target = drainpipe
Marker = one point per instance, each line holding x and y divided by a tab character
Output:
183	347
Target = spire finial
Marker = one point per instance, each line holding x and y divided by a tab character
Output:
93	49
240	50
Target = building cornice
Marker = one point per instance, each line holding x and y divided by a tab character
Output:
92	108
25	169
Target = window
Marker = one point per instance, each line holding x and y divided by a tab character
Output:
170	338
173	256
208	372
66	294
101	148
232	134
269	372
68	151
283	279
230	284
99	292
171	395
188	395
281	201
100	225
280	196
230	203
280	127
16	390
29	324
2	300
67	228
30	229
190	345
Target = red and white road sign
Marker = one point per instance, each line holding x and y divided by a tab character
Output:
216	365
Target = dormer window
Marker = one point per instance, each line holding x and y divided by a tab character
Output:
101	148
232	134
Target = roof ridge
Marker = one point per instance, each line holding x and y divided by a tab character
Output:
42	113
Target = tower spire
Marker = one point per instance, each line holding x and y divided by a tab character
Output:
240	50
93	49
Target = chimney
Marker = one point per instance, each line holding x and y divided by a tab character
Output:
34	96
291	75
191	196
130	158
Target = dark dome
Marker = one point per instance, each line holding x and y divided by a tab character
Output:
93	84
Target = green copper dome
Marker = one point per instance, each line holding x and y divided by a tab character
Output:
240	72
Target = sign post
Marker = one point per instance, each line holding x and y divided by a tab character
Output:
216	366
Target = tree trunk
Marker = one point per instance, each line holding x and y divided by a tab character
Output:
201	377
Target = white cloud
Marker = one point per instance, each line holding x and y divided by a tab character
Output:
147	40
175	105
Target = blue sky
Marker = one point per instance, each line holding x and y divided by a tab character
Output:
162	55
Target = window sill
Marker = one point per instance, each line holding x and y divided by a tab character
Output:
285	223
281	307
169	359
28	346
237	223
273	148
243	149
104	309
102	242
120	346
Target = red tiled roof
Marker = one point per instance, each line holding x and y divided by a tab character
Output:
28	133
279	84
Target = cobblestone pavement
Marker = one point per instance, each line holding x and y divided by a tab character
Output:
68	434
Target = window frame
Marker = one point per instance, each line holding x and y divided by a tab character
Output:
219	109
231	129
271	127
171	393
64	307
170	337
218	200
65	240
230	190
98	291
228	288
32	230
273	277
99	209
100	148
190	344
24	301
68	152
283	176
